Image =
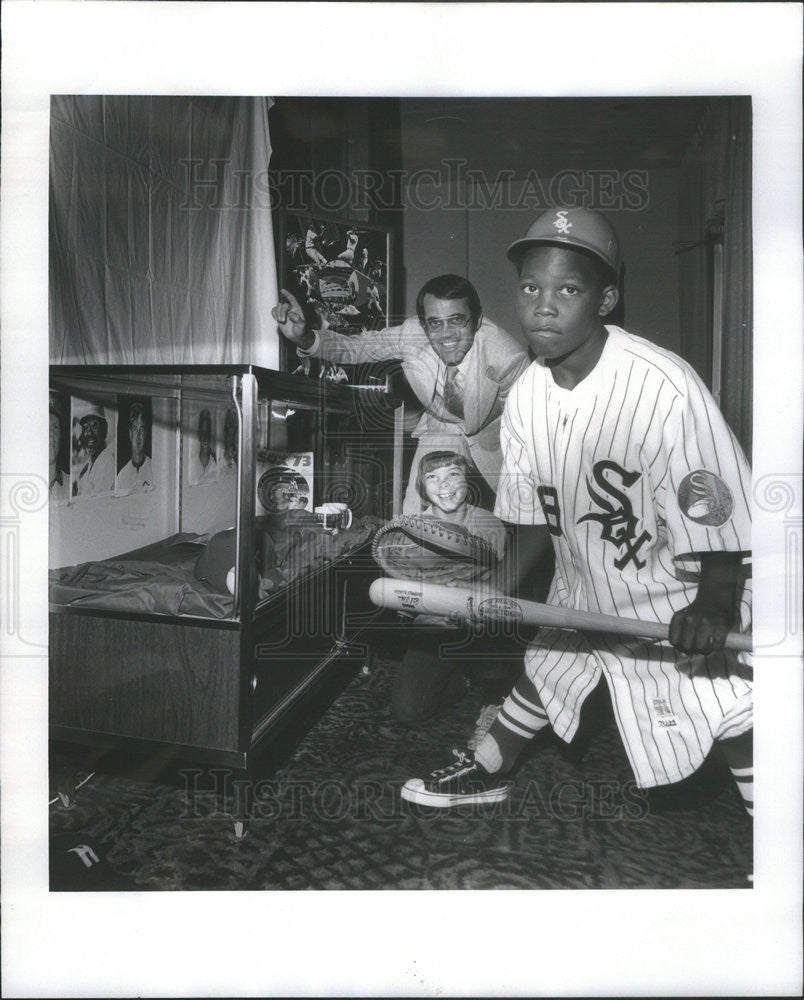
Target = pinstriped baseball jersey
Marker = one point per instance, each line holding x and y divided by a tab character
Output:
634	472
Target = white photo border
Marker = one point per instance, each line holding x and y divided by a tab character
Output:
261	944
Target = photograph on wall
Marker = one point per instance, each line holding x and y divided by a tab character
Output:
199	423
339	272
135	472
229	436
285	482
59	448
92	448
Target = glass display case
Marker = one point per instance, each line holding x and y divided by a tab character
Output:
210	533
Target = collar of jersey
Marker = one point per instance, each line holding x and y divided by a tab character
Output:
601	371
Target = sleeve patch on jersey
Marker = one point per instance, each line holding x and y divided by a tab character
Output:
704	498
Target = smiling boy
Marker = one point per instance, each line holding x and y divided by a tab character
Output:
443	484
616	456
429	677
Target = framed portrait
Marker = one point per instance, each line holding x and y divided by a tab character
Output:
135	473
285	482
200	424
339	270
229	438
59	447
93	465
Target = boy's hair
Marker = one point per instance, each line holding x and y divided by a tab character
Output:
438	460
450	286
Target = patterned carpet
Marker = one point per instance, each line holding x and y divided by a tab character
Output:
327	814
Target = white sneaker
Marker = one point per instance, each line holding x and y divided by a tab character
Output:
488	713
461	782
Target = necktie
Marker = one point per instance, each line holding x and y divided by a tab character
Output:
453	390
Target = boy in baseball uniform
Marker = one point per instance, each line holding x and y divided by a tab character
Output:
617	457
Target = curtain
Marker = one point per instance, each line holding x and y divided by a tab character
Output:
161	241
736	401
716	199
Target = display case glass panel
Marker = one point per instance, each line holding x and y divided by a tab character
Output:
205	493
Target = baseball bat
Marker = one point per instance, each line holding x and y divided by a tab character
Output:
475	604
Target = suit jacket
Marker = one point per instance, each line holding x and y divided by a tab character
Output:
492	365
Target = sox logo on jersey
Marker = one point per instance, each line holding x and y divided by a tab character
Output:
618	524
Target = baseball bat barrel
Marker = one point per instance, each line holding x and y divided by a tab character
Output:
476	604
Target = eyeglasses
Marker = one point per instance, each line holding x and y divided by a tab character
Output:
453	322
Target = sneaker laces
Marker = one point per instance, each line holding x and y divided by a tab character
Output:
464	762
488	713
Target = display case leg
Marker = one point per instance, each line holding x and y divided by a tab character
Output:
241	813
368	664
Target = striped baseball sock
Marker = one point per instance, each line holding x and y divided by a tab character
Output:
744	776
521	717
739	754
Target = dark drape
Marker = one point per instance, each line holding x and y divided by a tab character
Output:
715	208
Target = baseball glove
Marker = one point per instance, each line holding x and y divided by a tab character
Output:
412	547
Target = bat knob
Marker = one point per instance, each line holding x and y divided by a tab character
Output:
377	593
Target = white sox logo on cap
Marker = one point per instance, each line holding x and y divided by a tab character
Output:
562	223
579	228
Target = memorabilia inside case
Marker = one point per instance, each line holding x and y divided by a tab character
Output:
209	537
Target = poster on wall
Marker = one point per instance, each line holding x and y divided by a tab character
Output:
229	436
199	424
340	273
285	482
59	450
135	473
93	466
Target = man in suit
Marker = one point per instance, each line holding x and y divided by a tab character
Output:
459	364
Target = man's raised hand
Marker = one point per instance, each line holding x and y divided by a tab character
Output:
290	319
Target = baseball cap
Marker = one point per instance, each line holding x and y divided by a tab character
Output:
573	227
91	410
